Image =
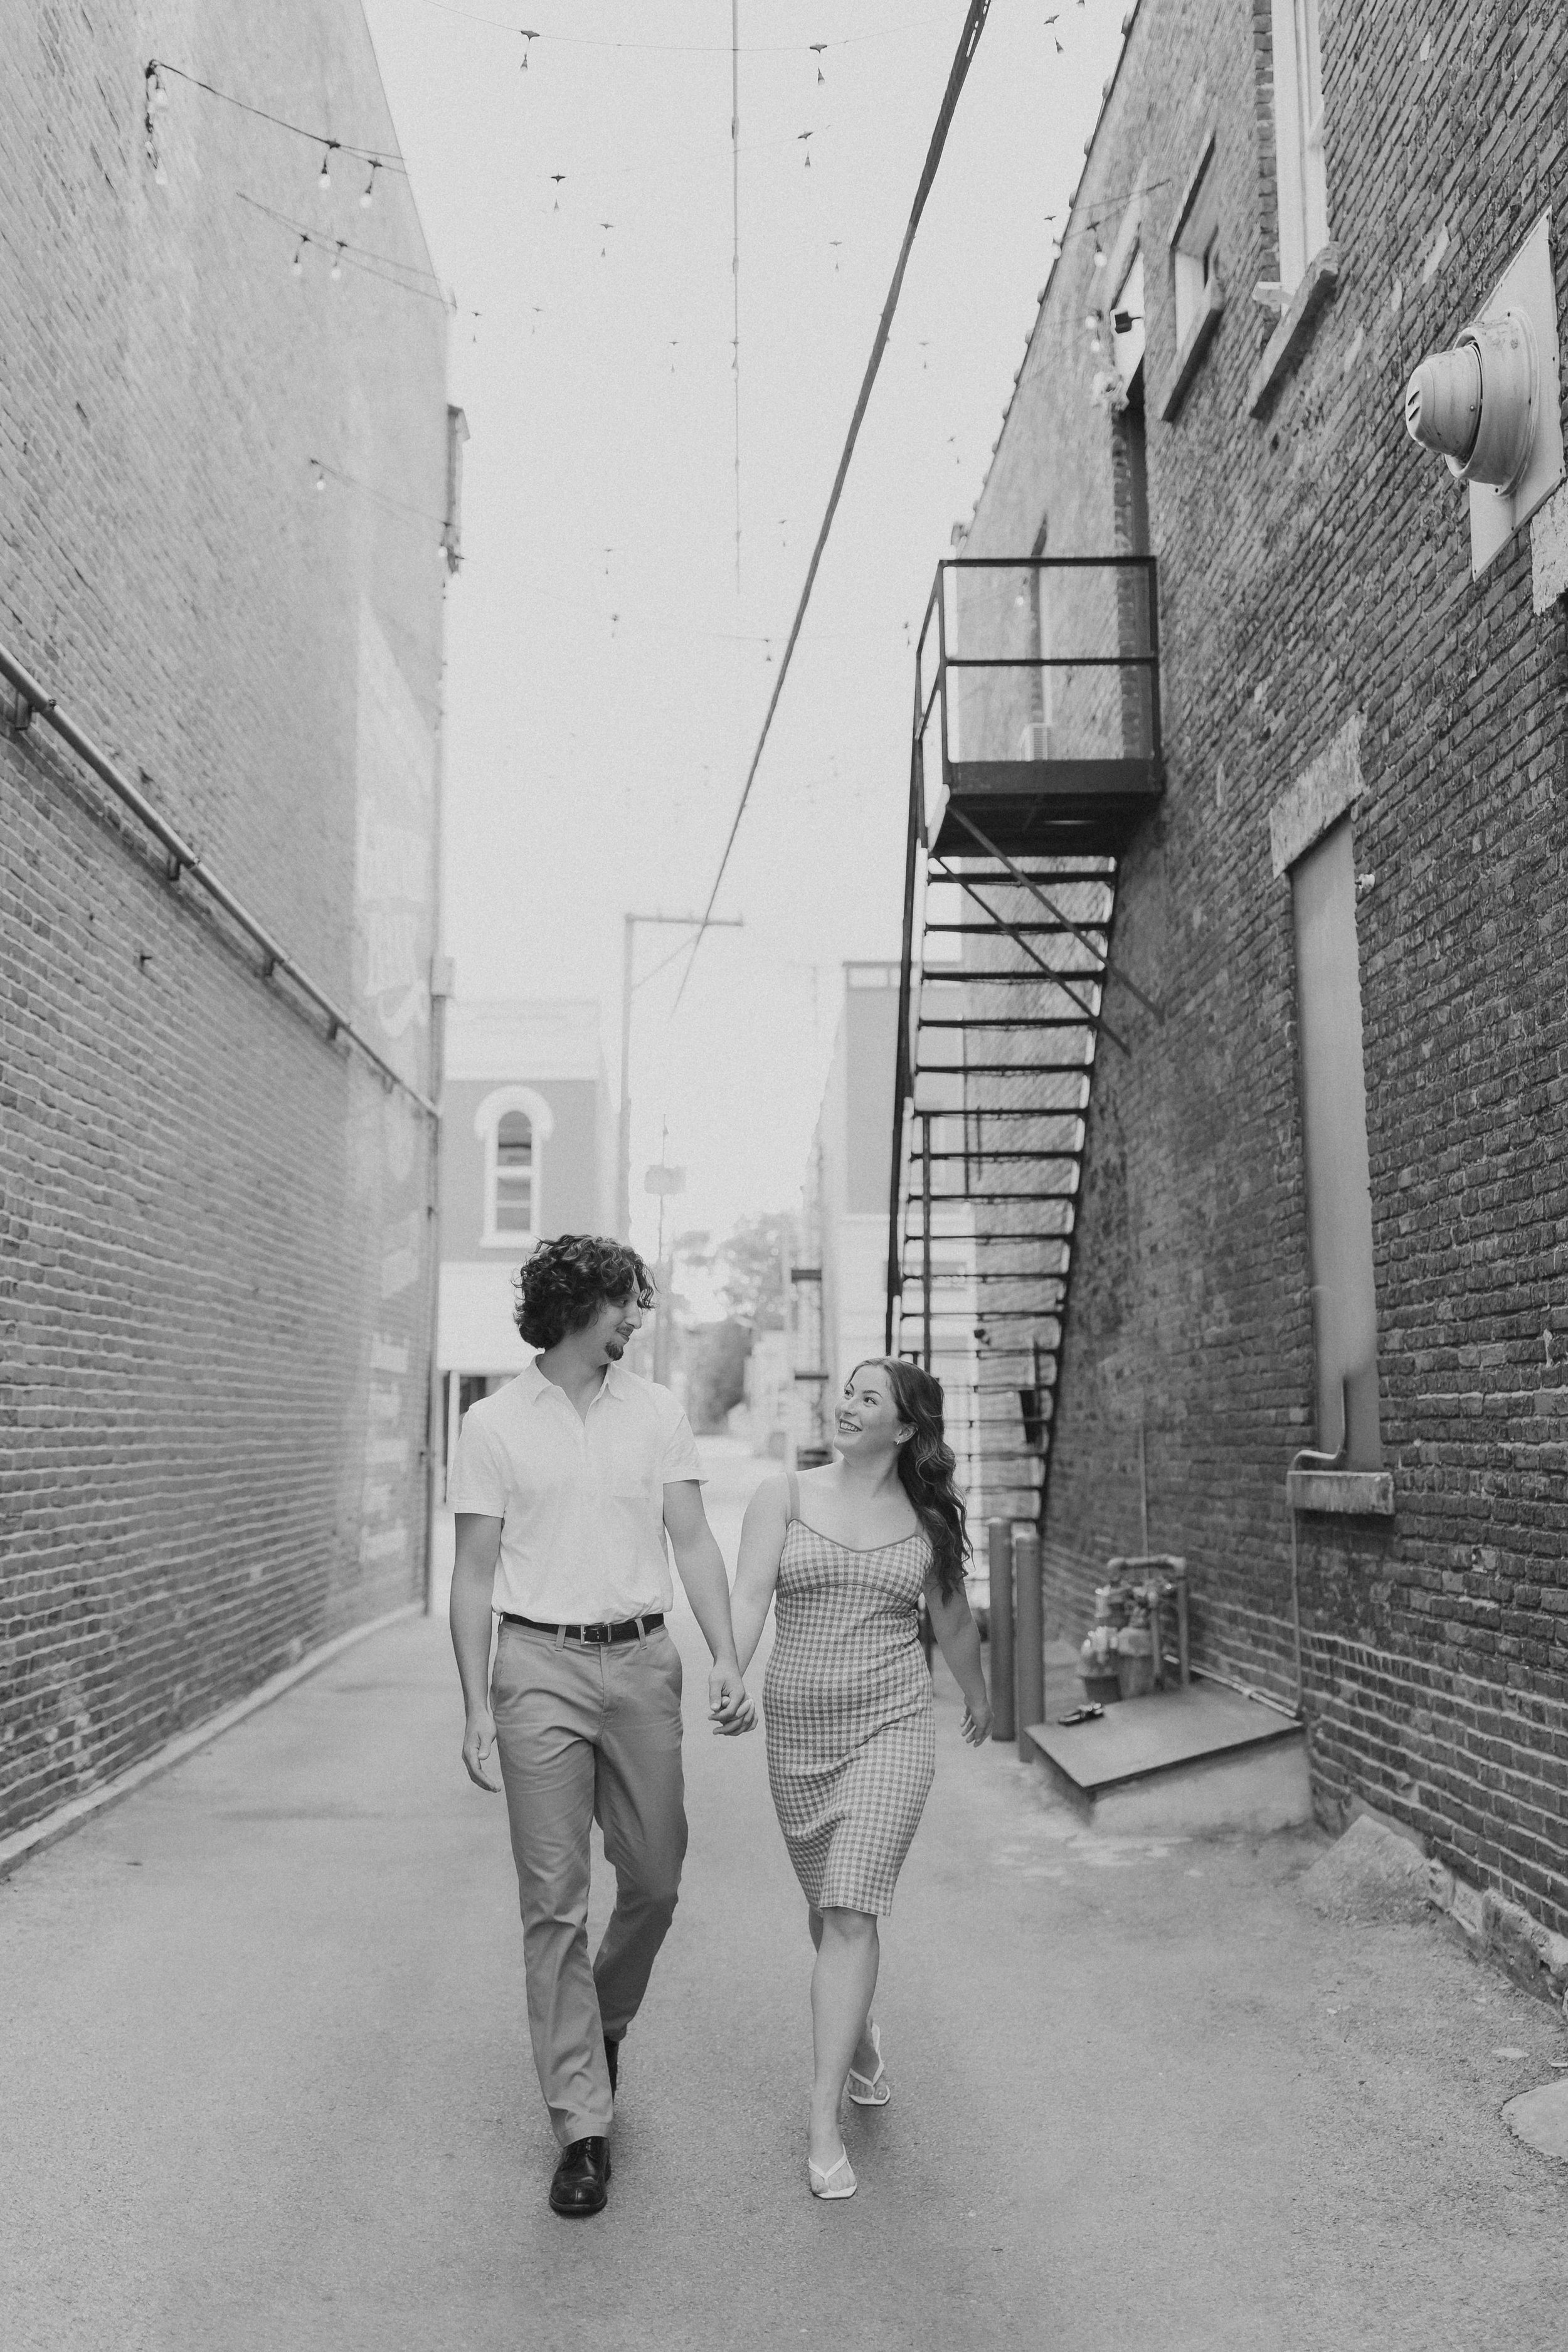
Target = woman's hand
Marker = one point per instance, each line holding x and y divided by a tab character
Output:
977	1721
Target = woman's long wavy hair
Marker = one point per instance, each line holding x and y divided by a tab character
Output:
926	1465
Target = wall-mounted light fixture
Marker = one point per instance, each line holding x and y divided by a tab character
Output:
1492	406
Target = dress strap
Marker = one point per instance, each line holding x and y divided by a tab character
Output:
794	1484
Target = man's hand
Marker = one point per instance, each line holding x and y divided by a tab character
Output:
730	1705
478	1741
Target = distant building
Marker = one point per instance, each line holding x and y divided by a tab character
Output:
840	1285
766	1420
528	1150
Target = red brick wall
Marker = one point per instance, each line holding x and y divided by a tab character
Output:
1314	564
213	1247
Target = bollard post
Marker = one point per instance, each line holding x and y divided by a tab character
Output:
999	1550
1029	1618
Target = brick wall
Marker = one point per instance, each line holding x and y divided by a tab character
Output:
214	1257
1313	565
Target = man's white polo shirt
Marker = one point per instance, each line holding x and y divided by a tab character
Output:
580	1500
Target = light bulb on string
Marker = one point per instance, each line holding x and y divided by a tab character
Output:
320	481
157	94
526	38
336	271
325	181
369	188
1098	250
297	266
816	48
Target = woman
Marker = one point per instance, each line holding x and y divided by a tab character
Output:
850	1549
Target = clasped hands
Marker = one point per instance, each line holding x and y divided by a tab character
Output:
730	1705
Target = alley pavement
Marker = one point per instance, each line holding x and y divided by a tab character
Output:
267	2081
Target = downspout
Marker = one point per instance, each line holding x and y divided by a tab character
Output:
1309	1458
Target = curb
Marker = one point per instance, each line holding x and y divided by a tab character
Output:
25	1843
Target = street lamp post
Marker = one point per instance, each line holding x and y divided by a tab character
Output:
680	922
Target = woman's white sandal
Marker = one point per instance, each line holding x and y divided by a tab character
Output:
827	2185
871	2090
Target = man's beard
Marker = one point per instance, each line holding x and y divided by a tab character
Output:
614	1346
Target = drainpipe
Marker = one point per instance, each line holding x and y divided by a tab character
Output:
1309	1459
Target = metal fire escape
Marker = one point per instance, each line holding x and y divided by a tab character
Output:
1035	756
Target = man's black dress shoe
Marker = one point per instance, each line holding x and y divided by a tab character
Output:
612	2060
579	2186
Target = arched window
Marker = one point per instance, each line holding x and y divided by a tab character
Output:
514	1174
514	1124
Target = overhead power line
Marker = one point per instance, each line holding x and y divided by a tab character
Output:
969	41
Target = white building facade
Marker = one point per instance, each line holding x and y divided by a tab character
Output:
527	1152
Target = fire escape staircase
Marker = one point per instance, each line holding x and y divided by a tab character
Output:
1035	756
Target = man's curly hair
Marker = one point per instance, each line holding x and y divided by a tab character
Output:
564	1284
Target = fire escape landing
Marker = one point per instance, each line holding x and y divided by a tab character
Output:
1035	756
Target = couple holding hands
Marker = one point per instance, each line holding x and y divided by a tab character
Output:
565	1485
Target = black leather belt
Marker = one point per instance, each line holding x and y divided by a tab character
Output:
626	1631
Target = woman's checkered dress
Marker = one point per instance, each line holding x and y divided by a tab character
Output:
848	1703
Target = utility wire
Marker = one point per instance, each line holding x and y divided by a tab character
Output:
969	41
735	259
687	48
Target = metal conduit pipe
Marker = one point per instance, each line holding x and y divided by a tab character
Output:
1307	1458
183	858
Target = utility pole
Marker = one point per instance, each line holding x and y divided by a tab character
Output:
628	987
664	1179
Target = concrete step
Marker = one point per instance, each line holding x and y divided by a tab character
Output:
1179	1762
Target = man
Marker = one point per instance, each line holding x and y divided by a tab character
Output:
564	1484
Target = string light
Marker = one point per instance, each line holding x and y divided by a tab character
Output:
156	98
385	156
336	271
320	480
816	48
382	267
526	37
325	181
366	200
296	265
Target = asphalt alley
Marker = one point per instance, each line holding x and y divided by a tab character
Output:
267	2081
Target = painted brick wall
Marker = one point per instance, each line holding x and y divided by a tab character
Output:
215	1246
1314	564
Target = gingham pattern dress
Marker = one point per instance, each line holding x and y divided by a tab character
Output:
848	1704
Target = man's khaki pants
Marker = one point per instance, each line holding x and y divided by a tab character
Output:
586	1732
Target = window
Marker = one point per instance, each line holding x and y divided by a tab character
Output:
1299	138
1333	1120
514	1174
1194	250
514	1124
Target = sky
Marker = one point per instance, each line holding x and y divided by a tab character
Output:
607	676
